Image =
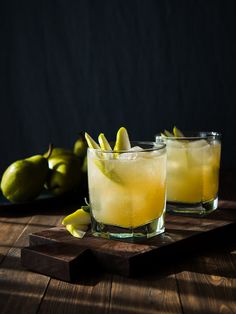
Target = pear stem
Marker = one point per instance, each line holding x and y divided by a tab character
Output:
49	152
82	136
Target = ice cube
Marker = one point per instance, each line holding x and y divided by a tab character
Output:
131	156
199	152
175	144
176	153
136	149
198	144
99	154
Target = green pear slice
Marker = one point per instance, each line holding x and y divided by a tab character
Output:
122	140
111	174
168	134
77	231
99	162
90	141
163	135
104	142
79	217
177	132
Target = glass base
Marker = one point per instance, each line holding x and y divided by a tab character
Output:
148	230
196	209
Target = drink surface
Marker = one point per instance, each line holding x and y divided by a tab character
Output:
192	170
132	193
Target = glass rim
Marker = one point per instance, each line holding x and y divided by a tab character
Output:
192	135
155	147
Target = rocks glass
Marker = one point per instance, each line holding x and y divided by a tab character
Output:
127	191
193	164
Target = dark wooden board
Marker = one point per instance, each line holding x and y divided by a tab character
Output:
56	253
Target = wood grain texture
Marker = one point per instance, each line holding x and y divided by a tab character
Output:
197	284
91	295
21	291
204	292
149	295
10	228
56	253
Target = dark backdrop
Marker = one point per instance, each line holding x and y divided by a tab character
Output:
67	66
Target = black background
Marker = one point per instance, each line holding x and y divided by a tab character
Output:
67	66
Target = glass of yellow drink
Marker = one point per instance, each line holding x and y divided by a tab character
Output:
193	163
127	191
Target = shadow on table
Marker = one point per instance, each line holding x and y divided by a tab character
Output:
64	204
214	262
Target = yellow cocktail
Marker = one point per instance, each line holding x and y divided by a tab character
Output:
127	190
193	173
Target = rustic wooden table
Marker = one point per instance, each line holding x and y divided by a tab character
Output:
199	284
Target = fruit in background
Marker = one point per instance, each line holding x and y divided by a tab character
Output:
65	174
84	165
60	151
80	150
23	180
80	146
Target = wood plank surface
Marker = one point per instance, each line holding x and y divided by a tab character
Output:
204	291
91	295
54	252
11	228
150	294
21	291
199	284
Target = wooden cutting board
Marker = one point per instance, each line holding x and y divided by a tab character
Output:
54	252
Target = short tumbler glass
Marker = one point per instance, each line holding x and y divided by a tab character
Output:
127	191
193	164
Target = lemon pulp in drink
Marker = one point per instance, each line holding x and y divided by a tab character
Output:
192	170
129	190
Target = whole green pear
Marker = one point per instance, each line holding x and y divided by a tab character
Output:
85	165
59	151
65	174
24	179
80	146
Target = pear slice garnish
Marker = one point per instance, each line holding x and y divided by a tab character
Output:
79	217
168	134
177	132
111	174
77	223
90	141
99	162
104	142
77	231
122	140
